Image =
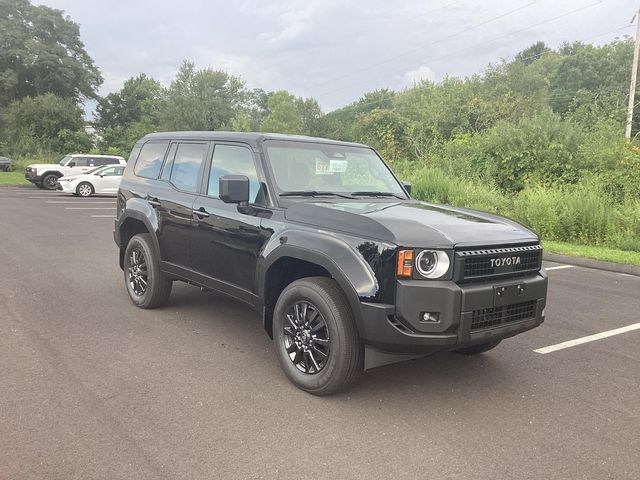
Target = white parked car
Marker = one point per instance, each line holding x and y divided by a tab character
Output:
101	180
46	175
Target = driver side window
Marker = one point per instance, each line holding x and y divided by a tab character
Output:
233	160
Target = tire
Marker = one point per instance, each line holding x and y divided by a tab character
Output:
85	189
154	289
480	348
49	181
334	354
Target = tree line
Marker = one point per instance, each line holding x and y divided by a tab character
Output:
546	119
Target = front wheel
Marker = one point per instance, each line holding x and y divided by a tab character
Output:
50	182
147	286
85	189
315	336
480	348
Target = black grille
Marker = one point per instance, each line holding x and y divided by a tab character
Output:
478	264
496	316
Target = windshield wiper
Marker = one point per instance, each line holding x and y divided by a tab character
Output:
312	193
376	194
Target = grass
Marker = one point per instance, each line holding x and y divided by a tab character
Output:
593	252
13	178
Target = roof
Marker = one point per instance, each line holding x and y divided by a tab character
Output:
252	138
92	155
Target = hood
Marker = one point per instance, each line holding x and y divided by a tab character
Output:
411	223
40	166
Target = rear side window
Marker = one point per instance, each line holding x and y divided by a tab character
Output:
233	160
150	159
186	165
80	161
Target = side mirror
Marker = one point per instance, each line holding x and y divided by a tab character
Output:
72	164
234	189
102	175
407	187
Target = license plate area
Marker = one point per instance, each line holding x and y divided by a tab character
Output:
507	294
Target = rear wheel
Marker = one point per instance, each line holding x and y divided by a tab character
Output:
50	181
85	189
480	348
316	339
147	286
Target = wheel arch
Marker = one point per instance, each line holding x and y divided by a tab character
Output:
131	223
288	263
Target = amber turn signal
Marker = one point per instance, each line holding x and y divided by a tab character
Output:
405	263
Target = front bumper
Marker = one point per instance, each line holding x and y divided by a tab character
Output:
468	314
32	176
67	187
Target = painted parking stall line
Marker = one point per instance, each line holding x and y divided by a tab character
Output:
559	267
78	202
587	339
89	208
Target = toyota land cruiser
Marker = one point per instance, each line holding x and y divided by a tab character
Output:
347	270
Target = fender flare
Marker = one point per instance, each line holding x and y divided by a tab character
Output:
343	262
140	210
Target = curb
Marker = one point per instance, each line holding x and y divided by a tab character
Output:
589	263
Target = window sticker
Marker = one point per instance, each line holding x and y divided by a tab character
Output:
329	167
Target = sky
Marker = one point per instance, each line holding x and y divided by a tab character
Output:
331	50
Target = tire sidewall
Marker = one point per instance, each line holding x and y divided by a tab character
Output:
338	344
139	242
45	185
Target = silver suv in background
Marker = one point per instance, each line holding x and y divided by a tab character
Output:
46	175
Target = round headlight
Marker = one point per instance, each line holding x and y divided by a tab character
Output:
432	263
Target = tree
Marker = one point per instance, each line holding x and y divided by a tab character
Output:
45	123
283	116
41	52
202	99
125	116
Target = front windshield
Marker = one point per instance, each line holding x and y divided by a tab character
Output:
64	161
316	167
95	170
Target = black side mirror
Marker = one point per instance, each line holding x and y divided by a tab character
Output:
234	189
72	164
407	187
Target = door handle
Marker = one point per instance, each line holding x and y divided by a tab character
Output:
153	202
201	212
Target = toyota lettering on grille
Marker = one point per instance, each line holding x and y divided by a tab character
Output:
505	261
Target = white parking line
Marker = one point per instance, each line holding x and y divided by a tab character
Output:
590	338
89	208
103	216
78	202
559	267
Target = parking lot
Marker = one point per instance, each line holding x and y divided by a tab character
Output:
92	387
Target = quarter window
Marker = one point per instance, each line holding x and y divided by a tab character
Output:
233	160
186	165
150	159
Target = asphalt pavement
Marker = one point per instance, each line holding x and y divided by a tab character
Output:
93	388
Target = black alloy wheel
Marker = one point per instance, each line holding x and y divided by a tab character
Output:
50	182
315	336
146	285
137	271
307	339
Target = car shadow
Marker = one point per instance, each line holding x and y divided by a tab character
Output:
432	376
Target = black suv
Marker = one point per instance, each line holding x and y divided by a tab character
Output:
348	272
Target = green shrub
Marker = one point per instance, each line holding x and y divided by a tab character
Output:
433	185
576	214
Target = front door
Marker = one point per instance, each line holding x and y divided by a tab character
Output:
225	242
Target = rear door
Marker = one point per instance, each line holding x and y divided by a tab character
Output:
174	196
108	180
226	243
